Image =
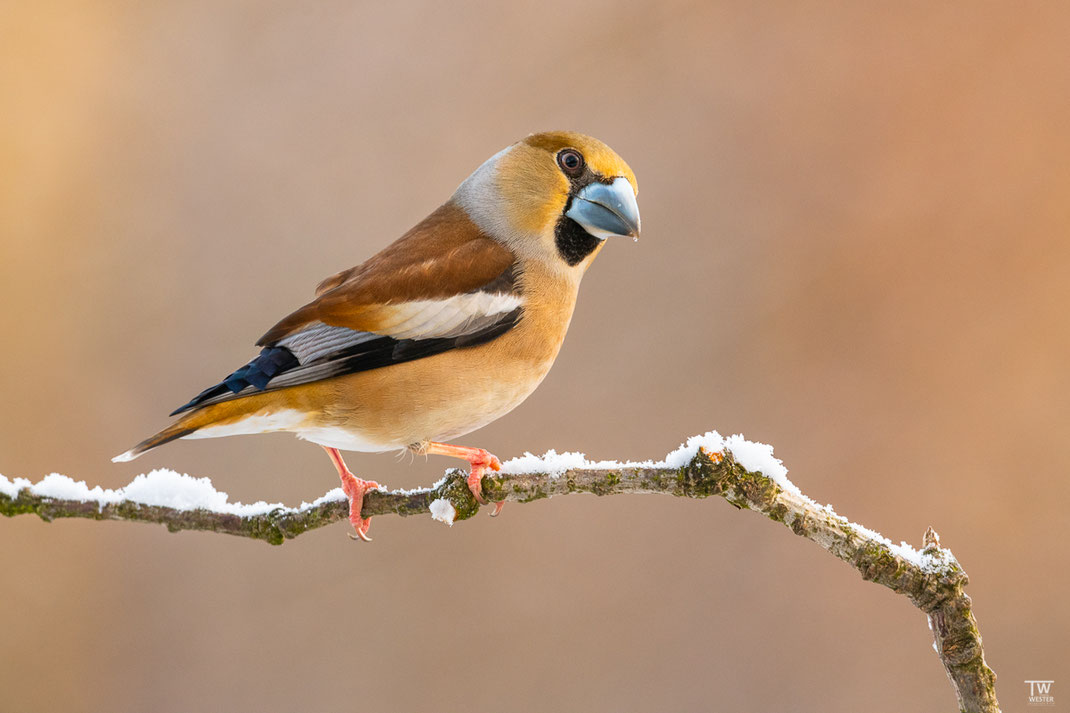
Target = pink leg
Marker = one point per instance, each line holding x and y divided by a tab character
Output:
354	489
478	458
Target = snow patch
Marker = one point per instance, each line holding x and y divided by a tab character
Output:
711	441
12	488
60	487
443	511
758	457
551	463
161	487
335	495
753	456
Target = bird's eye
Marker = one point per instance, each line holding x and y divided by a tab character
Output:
571	162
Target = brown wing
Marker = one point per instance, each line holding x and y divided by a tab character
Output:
444	285
443	256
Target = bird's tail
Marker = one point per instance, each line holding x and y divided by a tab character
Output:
172	432
184	426
256	413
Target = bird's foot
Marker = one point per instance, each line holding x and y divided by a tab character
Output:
478	458
354	488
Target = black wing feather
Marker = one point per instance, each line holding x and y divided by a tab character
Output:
278	368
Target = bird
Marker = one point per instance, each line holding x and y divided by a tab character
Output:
445	330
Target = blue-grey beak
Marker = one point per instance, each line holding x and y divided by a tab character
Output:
604	210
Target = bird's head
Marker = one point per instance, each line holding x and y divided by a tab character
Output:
556	196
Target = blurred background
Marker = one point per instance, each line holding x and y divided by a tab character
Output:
855	247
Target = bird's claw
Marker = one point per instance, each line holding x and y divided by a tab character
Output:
475	483
361	531
480	462
355	488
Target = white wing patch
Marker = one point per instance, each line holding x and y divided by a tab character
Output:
452	317
419	319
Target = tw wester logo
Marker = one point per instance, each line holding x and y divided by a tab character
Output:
1040	693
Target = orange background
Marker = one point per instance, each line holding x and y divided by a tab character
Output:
855	247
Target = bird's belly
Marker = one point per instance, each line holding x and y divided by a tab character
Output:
435	399
343	439
441	397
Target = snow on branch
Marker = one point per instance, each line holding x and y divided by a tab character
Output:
744	473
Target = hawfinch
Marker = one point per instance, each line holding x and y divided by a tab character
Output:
445	330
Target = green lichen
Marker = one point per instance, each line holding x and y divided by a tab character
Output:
761	492
605	485
698	479
718	474
18	506
128	511
779	513
455	489
264	528
875	562
529	494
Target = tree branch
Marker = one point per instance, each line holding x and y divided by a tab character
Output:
931	579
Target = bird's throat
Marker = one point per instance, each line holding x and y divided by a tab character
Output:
573	242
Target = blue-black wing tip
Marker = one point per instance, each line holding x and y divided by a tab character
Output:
257	373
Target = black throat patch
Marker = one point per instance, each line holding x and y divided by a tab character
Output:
573	242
